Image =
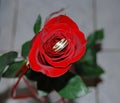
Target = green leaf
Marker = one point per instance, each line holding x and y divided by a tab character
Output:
86	70
74	89
37	24
42	93
26	48
89	57
94	37
99	34
13	69
6	59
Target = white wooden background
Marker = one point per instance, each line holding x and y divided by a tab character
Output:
16	26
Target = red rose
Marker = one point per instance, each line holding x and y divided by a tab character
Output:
59	44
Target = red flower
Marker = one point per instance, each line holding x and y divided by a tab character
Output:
59	44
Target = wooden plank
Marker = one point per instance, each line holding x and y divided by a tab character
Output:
6	24
109	90
108	17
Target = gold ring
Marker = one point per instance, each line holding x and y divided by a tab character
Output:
60	45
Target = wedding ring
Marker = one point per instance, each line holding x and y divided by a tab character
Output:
60	45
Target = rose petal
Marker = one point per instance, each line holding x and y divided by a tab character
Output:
50	31
80	45
62	19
